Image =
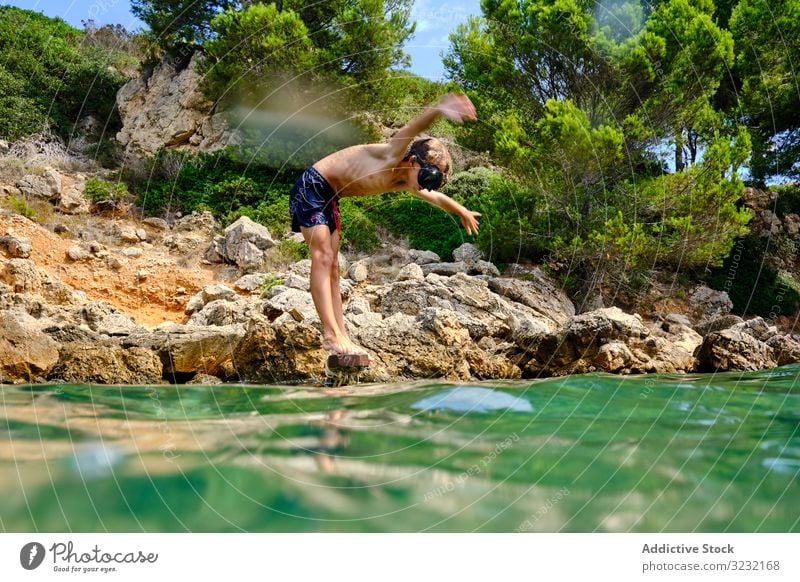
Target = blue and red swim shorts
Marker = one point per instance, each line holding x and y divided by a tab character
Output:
312	201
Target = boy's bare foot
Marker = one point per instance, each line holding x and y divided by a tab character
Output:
343	347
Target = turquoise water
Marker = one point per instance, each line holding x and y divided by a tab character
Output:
589	453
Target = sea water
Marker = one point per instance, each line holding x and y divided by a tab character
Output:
705	453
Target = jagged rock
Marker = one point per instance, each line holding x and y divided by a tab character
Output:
107	364
72	199
3	147
220	312
734	350
446	269
22	276
157	223
189	349
785	348
194	304
16	247
250	282
218	292
757	328
359	270
717	324
47	185
411	272
167	108
216	250
706	303
297	282
196	222
539	292
133	252
291	299
467	253
205	380
245	243
486	363
25	352
578	346
423	257
484	268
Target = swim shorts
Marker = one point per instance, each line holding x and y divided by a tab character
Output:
312	201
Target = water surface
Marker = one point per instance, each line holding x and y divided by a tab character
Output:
707	453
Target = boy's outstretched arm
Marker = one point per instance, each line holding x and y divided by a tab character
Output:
469	219
454	106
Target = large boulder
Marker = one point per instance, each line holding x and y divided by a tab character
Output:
706	303
734	349
187	349
106	363
245	243
26	354
537	291
46	185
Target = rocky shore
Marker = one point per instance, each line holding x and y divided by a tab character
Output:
114	300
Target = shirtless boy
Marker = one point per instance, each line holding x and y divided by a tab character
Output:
403	164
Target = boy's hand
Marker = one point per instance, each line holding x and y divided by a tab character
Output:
470	221
456	107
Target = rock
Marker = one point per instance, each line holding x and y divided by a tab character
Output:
3	147
297	282
217	293
755	327
484	268
141	234
47	185
678	318
245	243
301	268
756	199
216	250
132	252
81	363
72	199
204	380
411	272
730	349
357	306
539	292
423	257
288	300
168	108
446	269
25	353
706	303
61	229
77	253
578	346
717	324
115	263
250	282
359	270
22	276
785	348
195	304
16	247
126	233
201	223
221	312
157	223
142	275
189	349
467	253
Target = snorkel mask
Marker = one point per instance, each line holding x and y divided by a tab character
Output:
429	176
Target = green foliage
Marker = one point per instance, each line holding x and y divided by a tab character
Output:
224	182
273	214
767	53
268	282
359	231
98	190
755	286
788	199
294	251
50	79
20	206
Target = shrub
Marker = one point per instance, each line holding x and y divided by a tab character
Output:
20	206
98	190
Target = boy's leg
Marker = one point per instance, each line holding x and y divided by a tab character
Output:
328	302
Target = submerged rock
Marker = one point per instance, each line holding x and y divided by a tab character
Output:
472	399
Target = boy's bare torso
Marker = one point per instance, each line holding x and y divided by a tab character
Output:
363	170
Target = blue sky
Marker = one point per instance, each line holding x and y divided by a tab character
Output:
435	20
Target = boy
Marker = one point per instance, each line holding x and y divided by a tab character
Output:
364	170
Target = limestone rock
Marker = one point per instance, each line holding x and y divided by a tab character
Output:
245	243
107	364
25	353
46	185
706	303
423	257
734	350
16	247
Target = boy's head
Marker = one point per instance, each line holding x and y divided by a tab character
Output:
430	150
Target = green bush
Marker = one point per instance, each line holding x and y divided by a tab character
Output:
98	190
788	199
49	79
754	286
359	231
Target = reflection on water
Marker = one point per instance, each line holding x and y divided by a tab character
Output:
584	453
